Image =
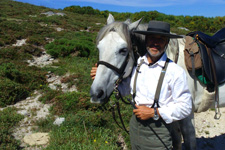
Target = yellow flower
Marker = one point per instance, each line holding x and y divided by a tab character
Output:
94	140
40	85
106	142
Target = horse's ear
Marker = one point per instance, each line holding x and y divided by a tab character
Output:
128	21
134	25
110	19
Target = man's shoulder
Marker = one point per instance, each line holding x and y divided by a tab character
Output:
175	68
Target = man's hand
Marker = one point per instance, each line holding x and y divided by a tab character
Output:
143	112
93	71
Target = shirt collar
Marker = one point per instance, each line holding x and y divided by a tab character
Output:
160	62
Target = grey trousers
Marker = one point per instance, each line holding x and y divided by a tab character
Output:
149	134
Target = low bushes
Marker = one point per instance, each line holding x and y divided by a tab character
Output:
64	47
17	81
8	119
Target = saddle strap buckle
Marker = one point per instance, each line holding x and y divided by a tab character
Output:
217	115
217	111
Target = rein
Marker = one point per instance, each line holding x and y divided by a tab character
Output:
119	96
121	72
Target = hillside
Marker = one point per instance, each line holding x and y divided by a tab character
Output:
27	33
45	60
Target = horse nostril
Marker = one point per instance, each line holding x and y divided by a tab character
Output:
100	94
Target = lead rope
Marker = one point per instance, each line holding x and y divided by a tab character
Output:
157	93
120	116
119	96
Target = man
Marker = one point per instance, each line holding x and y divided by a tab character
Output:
155	111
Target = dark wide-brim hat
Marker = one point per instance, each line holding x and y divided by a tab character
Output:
158	28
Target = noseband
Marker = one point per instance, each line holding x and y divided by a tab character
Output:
120	70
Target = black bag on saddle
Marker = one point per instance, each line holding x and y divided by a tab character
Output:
208	53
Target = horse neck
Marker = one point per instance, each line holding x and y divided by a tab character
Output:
139	40
181	44
172	50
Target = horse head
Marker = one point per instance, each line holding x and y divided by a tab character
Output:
116	58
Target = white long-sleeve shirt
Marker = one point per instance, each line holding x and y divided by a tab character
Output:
175	99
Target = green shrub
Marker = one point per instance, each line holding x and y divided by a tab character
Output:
36	40
1	43
17	81
64	47
8	119
21	74
11	92
10	54
51	20
9	70
30	49
71	103
49	95
7	39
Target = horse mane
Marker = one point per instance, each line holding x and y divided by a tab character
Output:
140	39
120	27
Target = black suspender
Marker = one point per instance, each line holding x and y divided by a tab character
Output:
157	93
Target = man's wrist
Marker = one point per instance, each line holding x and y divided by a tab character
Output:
156	114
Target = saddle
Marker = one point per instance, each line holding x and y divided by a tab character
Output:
212	51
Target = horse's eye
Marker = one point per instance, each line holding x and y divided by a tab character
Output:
123	51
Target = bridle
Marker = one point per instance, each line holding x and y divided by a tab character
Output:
121	71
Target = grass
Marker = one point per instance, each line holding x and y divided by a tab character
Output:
94	123
86	126
8	119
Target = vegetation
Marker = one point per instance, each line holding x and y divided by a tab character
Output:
81	44
195	23
87	126
8	119
17	80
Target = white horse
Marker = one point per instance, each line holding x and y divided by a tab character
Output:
116	58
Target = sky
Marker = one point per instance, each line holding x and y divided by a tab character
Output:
206	8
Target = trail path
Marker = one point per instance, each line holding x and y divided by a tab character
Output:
34	110
210	133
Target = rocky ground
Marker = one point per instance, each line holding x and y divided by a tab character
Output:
210	133
34	110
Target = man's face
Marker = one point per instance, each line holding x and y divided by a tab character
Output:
156	44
